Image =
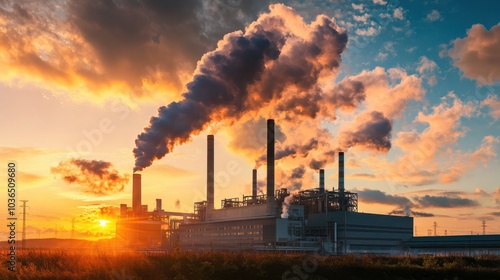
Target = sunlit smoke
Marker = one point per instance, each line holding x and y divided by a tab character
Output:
92	176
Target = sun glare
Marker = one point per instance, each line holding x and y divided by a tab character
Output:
103	223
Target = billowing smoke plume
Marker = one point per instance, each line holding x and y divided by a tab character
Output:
278	57
373	130
408	212
92	176
287	151
286	205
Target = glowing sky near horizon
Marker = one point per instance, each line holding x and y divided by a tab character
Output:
81	80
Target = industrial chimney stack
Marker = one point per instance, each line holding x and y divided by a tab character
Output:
123	211
341	172
158	205
136	194
254	184
321	180
270	160
210	172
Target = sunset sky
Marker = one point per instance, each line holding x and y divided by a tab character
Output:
408	89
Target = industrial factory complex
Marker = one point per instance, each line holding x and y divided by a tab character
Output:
317	219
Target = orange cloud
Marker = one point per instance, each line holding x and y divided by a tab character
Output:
494	104
477	54
428	156
105	49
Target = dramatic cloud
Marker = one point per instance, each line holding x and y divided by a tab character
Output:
250	137
92	176
494	104
404	205
477	54
370	130
295	179
420	165
130	48
445	201
276	54
376	196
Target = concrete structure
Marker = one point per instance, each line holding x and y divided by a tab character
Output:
139	233
210	172
277	220
454	244
136	194
317	219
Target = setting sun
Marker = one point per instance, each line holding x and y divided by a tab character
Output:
103	223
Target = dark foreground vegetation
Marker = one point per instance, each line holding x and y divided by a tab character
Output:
53	265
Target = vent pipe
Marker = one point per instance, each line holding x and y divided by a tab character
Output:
321	180
270	159
158	205
210	172
254	183
136	194
123	211
341	172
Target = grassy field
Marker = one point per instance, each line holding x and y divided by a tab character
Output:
37	264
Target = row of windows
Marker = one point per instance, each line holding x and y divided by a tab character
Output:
222	240
216	234
223	228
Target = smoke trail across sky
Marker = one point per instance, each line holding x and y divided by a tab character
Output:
247	71
95	177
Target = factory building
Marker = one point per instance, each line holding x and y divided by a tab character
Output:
317	219
310	220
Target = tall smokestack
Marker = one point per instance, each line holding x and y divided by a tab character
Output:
341	172
254	183
270	158
210	172
123	211
158	205
136	194
321	180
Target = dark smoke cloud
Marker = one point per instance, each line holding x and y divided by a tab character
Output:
409	212
317	164
376	196
292	179
403	203
298	172
118	41
289	151
444	201
250	137
421	214
246	72
93	176
372	131
346	95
